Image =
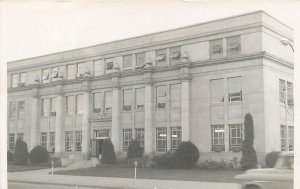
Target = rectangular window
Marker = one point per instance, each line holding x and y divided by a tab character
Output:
21	109
12	109
283	137
175	137
217	91
127	99
140	98
281	91
45	107
11	146
52	140
140	59
291	138
108	101
68	141
14	80
46	76
98	68
78	141
127	137
235	137
20	136
70	104
175	54
22	78
109	65
161	139
290	94
71	71
216	48
176	95
53	106
79	104
161	96
80	69
234	46
217	138
104	133
55	74
140	136
98	102
234	89
127	61
44	140
161	57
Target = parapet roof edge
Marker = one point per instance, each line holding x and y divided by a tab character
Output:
148	34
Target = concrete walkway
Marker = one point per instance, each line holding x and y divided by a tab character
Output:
42	177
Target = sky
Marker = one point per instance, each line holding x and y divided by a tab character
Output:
37	28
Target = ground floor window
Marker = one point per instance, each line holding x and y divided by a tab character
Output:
44	139
175	137
217	137
235	137
283	137
68	141
11	143
78	141
161	139
139	135
287	138
291	138
52	140
127	137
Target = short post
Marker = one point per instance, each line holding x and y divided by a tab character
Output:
52	165
135	166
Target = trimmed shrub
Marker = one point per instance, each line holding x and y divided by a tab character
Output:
186	155
271	159
39	155
249	158
135	151
10	156
21	154
166	160
108	155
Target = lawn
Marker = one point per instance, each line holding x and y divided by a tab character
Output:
18	168
153	173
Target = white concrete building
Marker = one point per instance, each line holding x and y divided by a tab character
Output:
193	83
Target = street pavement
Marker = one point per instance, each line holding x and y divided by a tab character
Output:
45	180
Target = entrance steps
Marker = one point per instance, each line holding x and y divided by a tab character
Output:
77	164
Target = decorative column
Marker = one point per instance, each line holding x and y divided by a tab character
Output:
86	128
148	110
35	113
115	125
185	101
59	122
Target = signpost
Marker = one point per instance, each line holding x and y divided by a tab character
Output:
52	164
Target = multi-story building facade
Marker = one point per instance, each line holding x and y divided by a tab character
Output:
194	83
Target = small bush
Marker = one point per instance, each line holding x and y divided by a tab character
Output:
166	160
223	164
21	154
271	159
39	155
135	151
56	161
10	156
186	155
108	155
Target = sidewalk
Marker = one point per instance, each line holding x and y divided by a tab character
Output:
42	177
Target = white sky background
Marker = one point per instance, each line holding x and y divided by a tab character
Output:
37	28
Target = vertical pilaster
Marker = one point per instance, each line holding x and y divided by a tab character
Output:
59	122
115	126
148	110
226	126
86	129
35	130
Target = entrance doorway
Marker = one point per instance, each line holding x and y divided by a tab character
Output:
96	147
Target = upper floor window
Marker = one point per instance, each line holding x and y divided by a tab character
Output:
161	96
175	95
21	109
127	99
98	67
175	54
13	109
45	107
55	74
70	104
98	102
217	91
216	48
18	80
108	101
14	80
22	77
71	71
140	98
233	46
161	57
80	69
109	63
79	104
46	75
234	89
140	59
282	91
53	106
127	61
